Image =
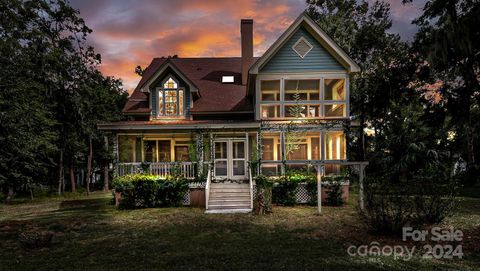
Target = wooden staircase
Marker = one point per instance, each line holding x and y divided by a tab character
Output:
229	197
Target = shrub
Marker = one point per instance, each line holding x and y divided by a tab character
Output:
333	186
284	190
312	189
428	197
142	190
263	197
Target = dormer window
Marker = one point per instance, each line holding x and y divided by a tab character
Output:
170	99
227	79
170	84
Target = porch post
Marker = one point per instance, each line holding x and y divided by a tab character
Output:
319	187
282	151
259	151
115	150
360	185
199	139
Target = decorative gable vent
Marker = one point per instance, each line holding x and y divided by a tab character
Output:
302	47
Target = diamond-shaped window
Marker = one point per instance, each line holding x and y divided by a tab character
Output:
302	47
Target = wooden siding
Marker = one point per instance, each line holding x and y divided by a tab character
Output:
287	60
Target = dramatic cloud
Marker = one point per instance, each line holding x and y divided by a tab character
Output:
130	33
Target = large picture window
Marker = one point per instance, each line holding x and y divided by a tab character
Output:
335	146
317	98
170	99
307	90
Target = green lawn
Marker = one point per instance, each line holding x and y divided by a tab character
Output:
90	234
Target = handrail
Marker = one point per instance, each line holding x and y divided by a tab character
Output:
207	187
251	186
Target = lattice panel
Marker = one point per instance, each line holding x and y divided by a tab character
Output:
302	194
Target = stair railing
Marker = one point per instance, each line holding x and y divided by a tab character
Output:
207	187
251	186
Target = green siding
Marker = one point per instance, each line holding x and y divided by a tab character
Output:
287	60
154	102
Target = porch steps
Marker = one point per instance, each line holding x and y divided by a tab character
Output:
229	198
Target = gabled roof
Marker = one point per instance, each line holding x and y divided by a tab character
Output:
205	74
331	46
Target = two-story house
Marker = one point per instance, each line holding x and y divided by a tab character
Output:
227	118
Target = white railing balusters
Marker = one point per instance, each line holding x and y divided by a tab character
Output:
161	169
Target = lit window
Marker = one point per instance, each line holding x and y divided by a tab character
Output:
335	89
335	146
335	110
270	111
170	99
170	83
307	90
270	90
227	79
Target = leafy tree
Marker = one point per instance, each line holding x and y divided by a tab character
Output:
448	44
51	100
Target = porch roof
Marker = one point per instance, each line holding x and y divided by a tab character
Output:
178	125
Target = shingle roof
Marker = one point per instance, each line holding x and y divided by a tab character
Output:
206	74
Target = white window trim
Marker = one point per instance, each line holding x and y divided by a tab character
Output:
298	41
307	76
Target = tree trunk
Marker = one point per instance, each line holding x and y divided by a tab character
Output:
363	156
11	194
60	173
72	178
470	149
105	169
89	165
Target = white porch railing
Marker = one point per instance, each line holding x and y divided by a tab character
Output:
162	169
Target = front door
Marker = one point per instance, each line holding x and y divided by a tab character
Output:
230	162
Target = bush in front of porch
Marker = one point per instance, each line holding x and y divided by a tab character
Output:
147	191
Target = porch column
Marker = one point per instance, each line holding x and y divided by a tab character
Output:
282	151
115	151
199	143
320	168
259	151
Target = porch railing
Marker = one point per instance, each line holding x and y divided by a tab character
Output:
162	169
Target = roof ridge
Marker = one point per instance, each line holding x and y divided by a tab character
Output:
201	57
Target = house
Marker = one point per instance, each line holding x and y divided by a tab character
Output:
228	118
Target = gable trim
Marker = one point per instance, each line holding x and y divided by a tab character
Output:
331	46
156	75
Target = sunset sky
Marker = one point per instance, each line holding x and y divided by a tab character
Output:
130	33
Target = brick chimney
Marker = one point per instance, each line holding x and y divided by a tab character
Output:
246	33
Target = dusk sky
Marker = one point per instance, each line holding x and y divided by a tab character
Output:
130	33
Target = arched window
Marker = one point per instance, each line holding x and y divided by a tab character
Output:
170	99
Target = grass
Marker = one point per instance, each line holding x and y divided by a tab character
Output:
90	234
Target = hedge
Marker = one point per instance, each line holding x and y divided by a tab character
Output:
147	191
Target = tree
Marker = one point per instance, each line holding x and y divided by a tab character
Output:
362	30
448	42
51	100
